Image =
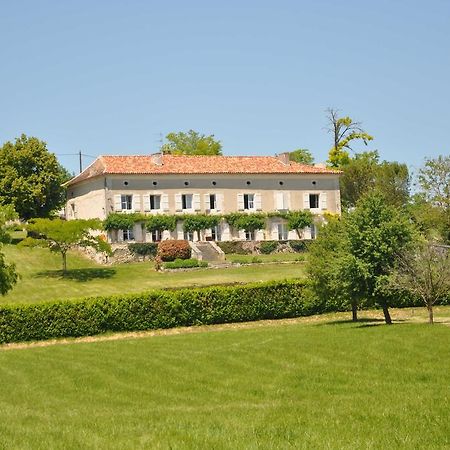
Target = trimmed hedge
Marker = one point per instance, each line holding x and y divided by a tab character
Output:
156	309
268	247
185	264
233	247
171	250
144	249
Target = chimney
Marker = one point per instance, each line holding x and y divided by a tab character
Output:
283	157
157	159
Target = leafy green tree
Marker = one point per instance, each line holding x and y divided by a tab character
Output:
299	220
424	272
161	223
191	143
364	173
61	235
345	132
302	156
377	232
353	259
31	178
247	222
434	181
8	275
199	222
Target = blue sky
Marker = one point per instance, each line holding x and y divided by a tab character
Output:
106	77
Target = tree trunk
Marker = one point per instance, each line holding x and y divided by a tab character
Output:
64	259
298	234
430	314
387	316
354	312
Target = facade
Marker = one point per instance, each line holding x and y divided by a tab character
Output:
169	184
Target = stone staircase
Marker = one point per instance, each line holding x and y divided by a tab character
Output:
207	251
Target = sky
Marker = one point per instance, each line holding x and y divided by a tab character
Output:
111	77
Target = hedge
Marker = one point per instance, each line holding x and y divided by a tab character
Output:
144	249
184	264
156	309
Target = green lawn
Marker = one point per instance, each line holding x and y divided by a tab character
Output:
295	384
41	279
276	257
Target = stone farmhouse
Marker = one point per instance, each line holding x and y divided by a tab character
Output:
169	184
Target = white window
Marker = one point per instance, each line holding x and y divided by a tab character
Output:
249	201
186	201
314	201
188	235
282	232
128	235
155	202
249	235
126	202
282	200
156	236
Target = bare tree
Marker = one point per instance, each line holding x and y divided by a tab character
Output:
425	273
344	131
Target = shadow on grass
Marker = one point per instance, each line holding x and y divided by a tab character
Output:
78	274
365	321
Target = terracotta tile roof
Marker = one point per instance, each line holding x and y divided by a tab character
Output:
181	164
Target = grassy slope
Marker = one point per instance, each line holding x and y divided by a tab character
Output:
41	279
326	385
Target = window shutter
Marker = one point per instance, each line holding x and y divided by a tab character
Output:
323	200
196	202
240	202
258	205
118	202
279	200
147	202
206	201
287	200
119	235
306	200
274	231
241	235
225	231
219	202
136	203
164	202
178	202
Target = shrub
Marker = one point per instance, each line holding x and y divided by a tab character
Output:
256	260
268	247
234	247
156	309
144	249
172	249
185	264
299	246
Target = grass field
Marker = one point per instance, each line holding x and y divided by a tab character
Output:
304	383
41	277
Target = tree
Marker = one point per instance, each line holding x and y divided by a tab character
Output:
345	131
247	222
191	143
160	223
8	275
302	156
60	235
31	178
434	181
424	272
353	258
299	220
377	232
364	173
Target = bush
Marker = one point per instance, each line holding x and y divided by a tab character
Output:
268	247
299	246
185	264
144	249
156	309
171	249
234	247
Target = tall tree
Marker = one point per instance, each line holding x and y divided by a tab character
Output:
345	132
30	178
191	143
61	235
424	272
7	214
8	274
302	156
434	181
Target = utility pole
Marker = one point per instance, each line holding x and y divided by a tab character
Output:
81	162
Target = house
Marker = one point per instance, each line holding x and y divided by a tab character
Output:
169	184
